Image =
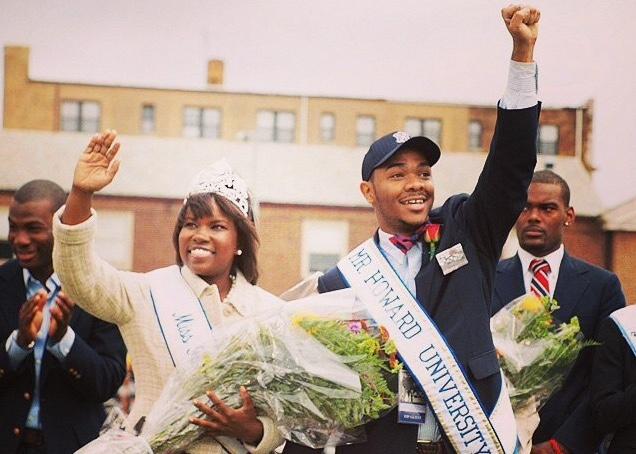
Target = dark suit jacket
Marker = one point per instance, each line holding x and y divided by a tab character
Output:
614	388
71	409
459	302
590	293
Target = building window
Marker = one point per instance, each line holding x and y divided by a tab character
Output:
549	139
475	133
428	127
114	242
147	119
365	130
201	122
327	127
323	244
83	116
273	126
511	246
5	248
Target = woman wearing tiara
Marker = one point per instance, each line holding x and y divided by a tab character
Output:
168	314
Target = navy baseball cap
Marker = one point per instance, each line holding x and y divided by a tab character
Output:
382	149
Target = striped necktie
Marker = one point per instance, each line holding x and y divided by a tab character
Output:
540	285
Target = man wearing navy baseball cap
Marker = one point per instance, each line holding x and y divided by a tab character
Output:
427	274
385	147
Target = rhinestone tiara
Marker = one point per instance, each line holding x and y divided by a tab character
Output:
219	178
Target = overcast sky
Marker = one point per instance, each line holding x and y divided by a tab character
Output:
441	51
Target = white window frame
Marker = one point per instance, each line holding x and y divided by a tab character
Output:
427	127
366	130
475	135
271	127
327	127
115	238
4	229
322	237
511	246
548	147
81	121
148	119
195	125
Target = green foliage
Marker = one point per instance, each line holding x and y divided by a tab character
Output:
360	351
539	322
290	395
560	343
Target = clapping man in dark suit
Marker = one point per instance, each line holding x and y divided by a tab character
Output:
57	363
542	266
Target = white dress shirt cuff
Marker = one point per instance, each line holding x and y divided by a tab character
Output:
16	353
61	349
522	89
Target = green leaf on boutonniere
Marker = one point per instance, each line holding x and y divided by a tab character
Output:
432	235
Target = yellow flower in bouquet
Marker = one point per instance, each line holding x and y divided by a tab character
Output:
535	350
310	402
532	304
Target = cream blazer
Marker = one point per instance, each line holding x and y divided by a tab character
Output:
123	298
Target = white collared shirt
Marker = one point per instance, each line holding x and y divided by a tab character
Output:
217	311
60	350
406	265
521	92
554	260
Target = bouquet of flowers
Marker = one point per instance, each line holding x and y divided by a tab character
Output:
535	351
316	376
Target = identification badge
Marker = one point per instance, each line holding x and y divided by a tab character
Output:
451	259
412	403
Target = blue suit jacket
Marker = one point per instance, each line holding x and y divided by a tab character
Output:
71	409
591	294
459	302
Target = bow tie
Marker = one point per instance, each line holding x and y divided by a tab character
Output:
429	232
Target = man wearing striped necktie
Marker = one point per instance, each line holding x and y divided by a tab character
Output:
540	285
543	267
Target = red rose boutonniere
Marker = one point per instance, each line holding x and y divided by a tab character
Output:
432	235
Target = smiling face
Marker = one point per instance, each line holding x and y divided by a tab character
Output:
401	192
31	236
208	243
542	222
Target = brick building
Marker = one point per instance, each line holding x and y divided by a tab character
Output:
215	113
301	156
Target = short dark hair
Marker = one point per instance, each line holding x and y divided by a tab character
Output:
199	205
549	177
41	190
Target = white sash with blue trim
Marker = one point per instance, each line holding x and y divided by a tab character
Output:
183	322
428	357
184	326
625	319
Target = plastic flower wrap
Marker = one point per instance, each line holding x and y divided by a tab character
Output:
315	373
535	350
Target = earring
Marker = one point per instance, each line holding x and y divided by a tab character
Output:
567	224
239	252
